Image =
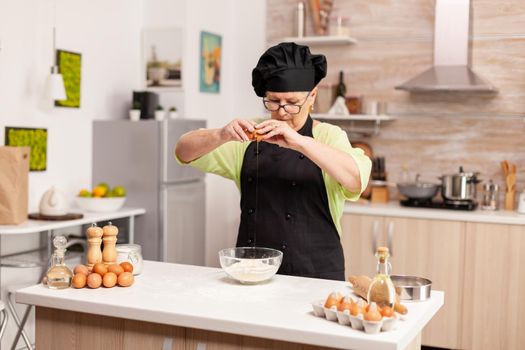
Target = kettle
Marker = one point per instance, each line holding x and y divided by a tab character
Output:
53	203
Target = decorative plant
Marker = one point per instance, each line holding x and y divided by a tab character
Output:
136	105
173	109
160	108
36	139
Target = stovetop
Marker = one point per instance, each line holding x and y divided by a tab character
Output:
434	204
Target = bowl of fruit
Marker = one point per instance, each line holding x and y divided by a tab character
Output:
102	198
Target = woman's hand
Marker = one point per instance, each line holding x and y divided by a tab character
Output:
235	130
279	133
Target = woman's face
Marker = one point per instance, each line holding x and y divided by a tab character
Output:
300	98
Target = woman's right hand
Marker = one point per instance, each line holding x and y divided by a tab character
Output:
235	130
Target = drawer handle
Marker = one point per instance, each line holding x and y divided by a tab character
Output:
375	235
390	237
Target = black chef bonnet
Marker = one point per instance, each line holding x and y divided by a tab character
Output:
288	67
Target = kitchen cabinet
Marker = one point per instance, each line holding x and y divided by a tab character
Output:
362	234
479	265
425	248
494	287
432	249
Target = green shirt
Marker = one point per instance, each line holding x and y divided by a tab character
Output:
226	161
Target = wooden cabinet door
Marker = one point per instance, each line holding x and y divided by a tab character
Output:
361	235
432	249
494	292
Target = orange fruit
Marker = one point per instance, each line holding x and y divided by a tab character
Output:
99	191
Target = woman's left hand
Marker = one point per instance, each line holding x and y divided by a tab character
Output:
279	133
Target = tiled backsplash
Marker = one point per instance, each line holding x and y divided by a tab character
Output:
434	133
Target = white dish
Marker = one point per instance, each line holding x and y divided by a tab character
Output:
100	205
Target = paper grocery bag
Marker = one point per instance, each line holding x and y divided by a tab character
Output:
14	184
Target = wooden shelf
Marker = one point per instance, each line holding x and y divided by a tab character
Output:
322	40
370	131
353	117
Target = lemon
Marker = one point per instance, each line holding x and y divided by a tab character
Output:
104	185
84	193
118	191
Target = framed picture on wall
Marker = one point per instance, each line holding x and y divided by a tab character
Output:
35	139
162	57
70	66
210	62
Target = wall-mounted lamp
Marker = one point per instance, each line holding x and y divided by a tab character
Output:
56	82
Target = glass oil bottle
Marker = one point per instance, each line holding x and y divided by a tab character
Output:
59	275
382	290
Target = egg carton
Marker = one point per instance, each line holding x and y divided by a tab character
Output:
356	322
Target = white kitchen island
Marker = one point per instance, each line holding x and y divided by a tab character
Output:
174	306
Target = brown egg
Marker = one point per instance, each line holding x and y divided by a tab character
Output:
94	280
345	304
100	268
79	280
373	314
126	265
125	279
109	280
116	269
81	269
333	300
387	311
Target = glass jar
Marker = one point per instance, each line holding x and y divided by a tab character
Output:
339	26
490	196
131	253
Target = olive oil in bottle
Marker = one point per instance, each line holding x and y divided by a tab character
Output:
382	290
59	275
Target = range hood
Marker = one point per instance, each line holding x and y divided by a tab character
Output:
451	70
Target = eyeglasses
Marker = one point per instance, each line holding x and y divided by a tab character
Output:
273	106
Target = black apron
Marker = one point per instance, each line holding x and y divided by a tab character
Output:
292	211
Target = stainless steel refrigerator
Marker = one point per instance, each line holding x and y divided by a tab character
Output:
140	156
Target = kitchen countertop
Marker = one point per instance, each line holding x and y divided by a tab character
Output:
397	210
204	298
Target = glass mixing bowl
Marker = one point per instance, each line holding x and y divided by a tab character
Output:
250	265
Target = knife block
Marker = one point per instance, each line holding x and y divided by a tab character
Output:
380	194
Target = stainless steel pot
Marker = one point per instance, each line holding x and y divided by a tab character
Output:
411	287
459	187
418	190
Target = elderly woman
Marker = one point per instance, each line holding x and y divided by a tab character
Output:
294	182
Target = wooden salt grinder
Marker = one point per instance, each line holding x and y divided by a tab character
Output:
110	240
94	254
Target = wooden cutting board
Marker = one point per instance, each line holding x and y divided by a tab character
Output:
69	216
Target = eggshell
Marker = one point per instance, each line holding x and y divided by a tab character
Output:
79	281
100	268
94	280
109	280
125	279
116	269
81	269
127	266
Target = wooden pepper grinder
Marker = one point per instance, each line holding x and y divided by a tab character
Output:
94	254
110	240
